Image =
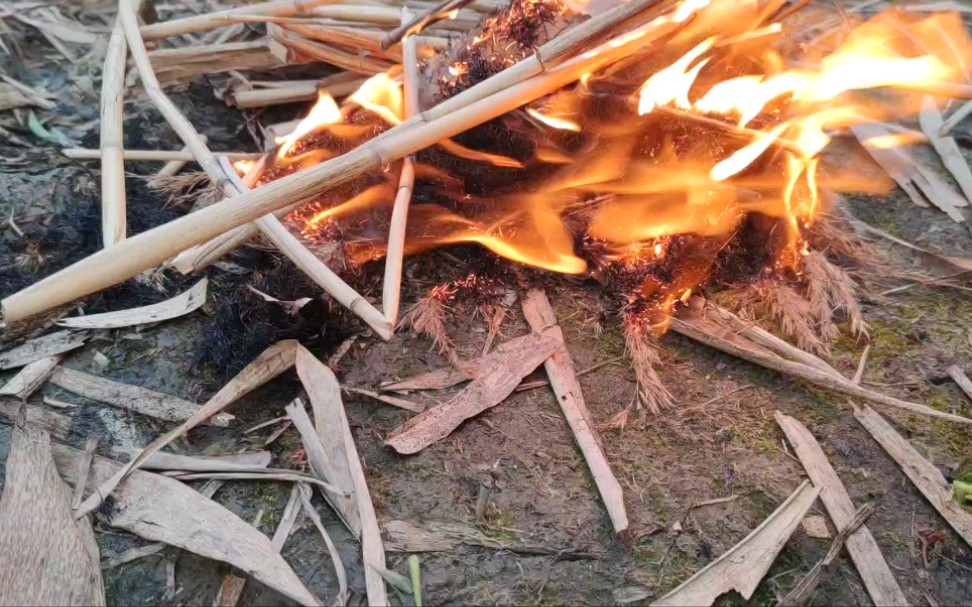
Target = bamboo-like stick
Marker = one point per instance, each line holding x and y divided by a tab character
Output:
292	94
437	13
113	202
182	155
173	65
310	264
392	284
172	167
389	15
201	23
150	248
361	64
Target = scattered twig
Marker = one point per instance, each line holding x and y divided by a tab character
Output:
401	403
960	378
84	466
802	592
560	369
923	474
707	330
287	519
745	564
133	554
861	365
863	549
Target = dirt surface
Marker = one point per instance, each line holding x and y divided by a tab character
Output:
514	472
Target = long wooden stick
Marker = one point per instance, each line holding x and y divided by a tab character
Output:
695	327
560	369
391	288
113	204
150	248
201	23
863	549
183	155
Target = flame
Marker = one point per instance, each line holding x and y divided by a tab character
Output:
555	123
718	138
324	112
383	96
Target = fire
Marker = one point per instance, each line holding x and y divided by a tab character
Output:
718	135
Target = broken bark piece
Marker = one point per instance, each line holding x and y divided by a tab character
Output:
44	559
563	380
502	372
55	424
863	549
229	591
923	474
325	396
960	378
31	377
434	536
179	305
401	403
162	509
134	398
42	347
327	465
434	380
802	592
272	362
745	564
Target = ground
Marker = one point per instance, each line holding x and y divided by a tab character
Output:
520	455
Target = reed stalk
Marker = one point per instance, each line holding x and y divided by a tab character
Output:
113	201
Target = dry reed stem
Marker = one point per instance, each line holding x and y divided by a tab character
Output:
413	26
392	284
510	89
183	155
113	204
208	21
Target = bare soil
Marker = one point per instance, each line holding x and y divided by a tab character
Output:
520	454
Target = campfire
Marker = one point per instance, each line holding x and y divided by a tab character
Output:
695	163
689	157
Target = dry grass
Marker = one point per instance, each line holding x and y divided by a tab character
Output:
427	317
186	190
643	353
831	289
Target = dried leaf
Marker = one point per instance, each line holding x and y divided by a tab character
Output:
179	305
43	556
